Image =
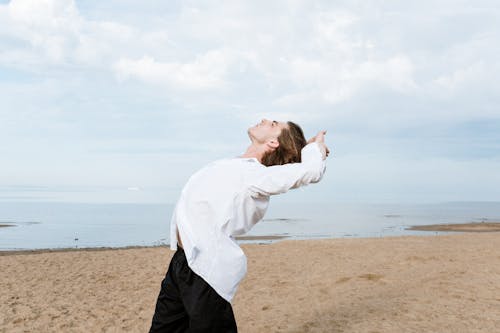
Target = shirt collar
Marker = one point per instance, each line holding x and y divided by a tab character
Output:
248	159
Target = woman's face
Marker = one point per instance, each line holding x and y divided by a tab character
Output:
266	130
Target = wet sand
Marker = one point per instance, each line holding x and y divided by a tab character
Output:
462	227
259	238
445	283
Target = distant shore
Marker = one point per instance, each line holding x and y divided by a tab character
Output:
76	249
445	283
460	227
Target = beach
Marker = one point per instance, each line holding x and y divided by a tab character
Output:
447	283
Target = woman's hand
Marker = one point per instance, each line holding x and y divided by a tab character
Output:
320	139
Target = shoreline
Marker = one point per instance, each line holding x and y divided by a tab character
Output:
444	228
265	240
128	247
78	249
460	227
472	227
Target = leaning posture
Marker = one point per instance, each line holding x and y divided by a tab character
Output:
225	199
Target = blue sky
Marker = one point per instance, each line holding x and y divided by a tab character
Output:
120	101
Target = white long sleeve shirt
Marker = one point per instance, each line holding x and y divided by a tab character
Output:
227	198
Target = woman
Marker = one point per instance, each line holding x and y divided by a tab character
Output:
224	199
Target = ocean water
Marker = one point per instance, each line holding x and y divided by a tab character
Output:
44	225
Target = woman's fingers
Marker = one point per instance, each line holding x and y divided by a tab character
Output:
320	137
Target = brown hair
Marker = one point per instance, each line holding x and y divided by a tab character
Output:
291	141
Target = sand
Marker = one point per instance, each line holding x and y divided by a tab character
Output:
419	284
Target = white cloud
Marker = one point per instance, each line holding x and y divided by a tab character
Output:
335	83
395	72
49	26
45	15
53	33
207	71
460	77
332	34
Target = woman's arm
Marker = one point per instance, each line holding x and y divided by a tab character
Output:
278	179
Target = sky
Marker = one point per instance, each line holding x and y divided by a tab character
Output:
121	101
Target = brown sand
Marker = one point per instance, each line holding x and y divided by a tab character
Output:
462	227
398	284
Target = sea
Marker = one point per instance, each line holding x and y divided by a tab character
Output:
55	225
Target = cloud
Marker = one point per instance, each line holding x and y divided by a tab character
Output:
50	34
49	26
45	15
335	83
302	55
460	78
206	72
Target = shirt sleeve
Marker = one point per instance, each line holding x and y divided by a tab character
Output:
278	179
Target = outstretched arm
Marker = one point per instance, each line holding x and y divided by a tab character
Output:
320	138
281	178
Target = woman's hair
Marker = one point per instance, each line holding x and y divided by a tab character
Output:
291	141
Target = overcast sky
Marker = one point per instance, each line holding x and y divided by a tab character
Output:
121	101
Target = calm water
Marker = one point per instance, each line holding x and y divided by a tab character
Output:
38	225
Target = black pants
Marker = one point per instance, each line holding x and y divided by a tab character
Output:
187	303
